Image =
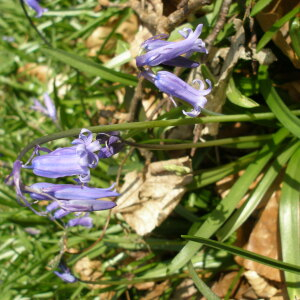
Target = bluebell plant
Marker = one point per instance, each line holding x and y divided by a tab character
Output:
77	200
159	51
65	198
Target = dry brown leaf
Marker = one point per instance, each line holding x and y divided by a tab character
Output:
144	285
129	28
89	270
261	287
264	57
185	290
146	202
264	240
135	47
272	13
41	72
149	104
96	39
221	287
293	89
157	291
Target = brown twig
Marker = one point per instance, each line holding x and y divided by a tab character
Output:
121	167
219	25
184	9
101	235
138	94
157	108
151	15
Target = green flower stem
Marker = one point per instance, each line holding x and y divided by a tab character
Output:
152	124
220	142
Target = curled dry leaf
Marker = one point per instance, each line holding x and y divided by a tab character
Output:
264	240
221	287
89	270
271	14
264	57
261	287
146	202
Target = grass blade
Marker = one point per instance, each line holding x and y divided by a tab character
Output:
281	111
276	26
225	208
242	214
90	67
259	6
246	254
200	284
289	220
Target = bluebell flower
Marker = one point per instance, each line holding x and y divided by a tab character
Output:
111	142
49	108
159	51
34	4
7	38
69	198
70	192
83	221
65	274
69	161
173	86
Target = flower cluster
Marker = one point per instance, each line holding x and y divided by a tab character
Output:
159	51
65	199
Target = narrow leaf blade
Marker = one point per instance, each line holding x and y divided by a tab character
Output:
90	67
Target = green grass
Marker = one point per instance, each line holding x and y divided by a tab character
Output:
266	147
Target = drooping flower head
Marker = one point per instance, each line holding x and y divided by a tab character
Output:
49	108
159	51
65	274
69	198
111	142
69	161
34	4
173	86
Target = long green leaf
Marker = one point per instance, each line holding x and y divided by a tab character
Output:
281	111
289	220
243	213
225	208
90	67
295	34
276	26
200	284
259	6
246	254
214	174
